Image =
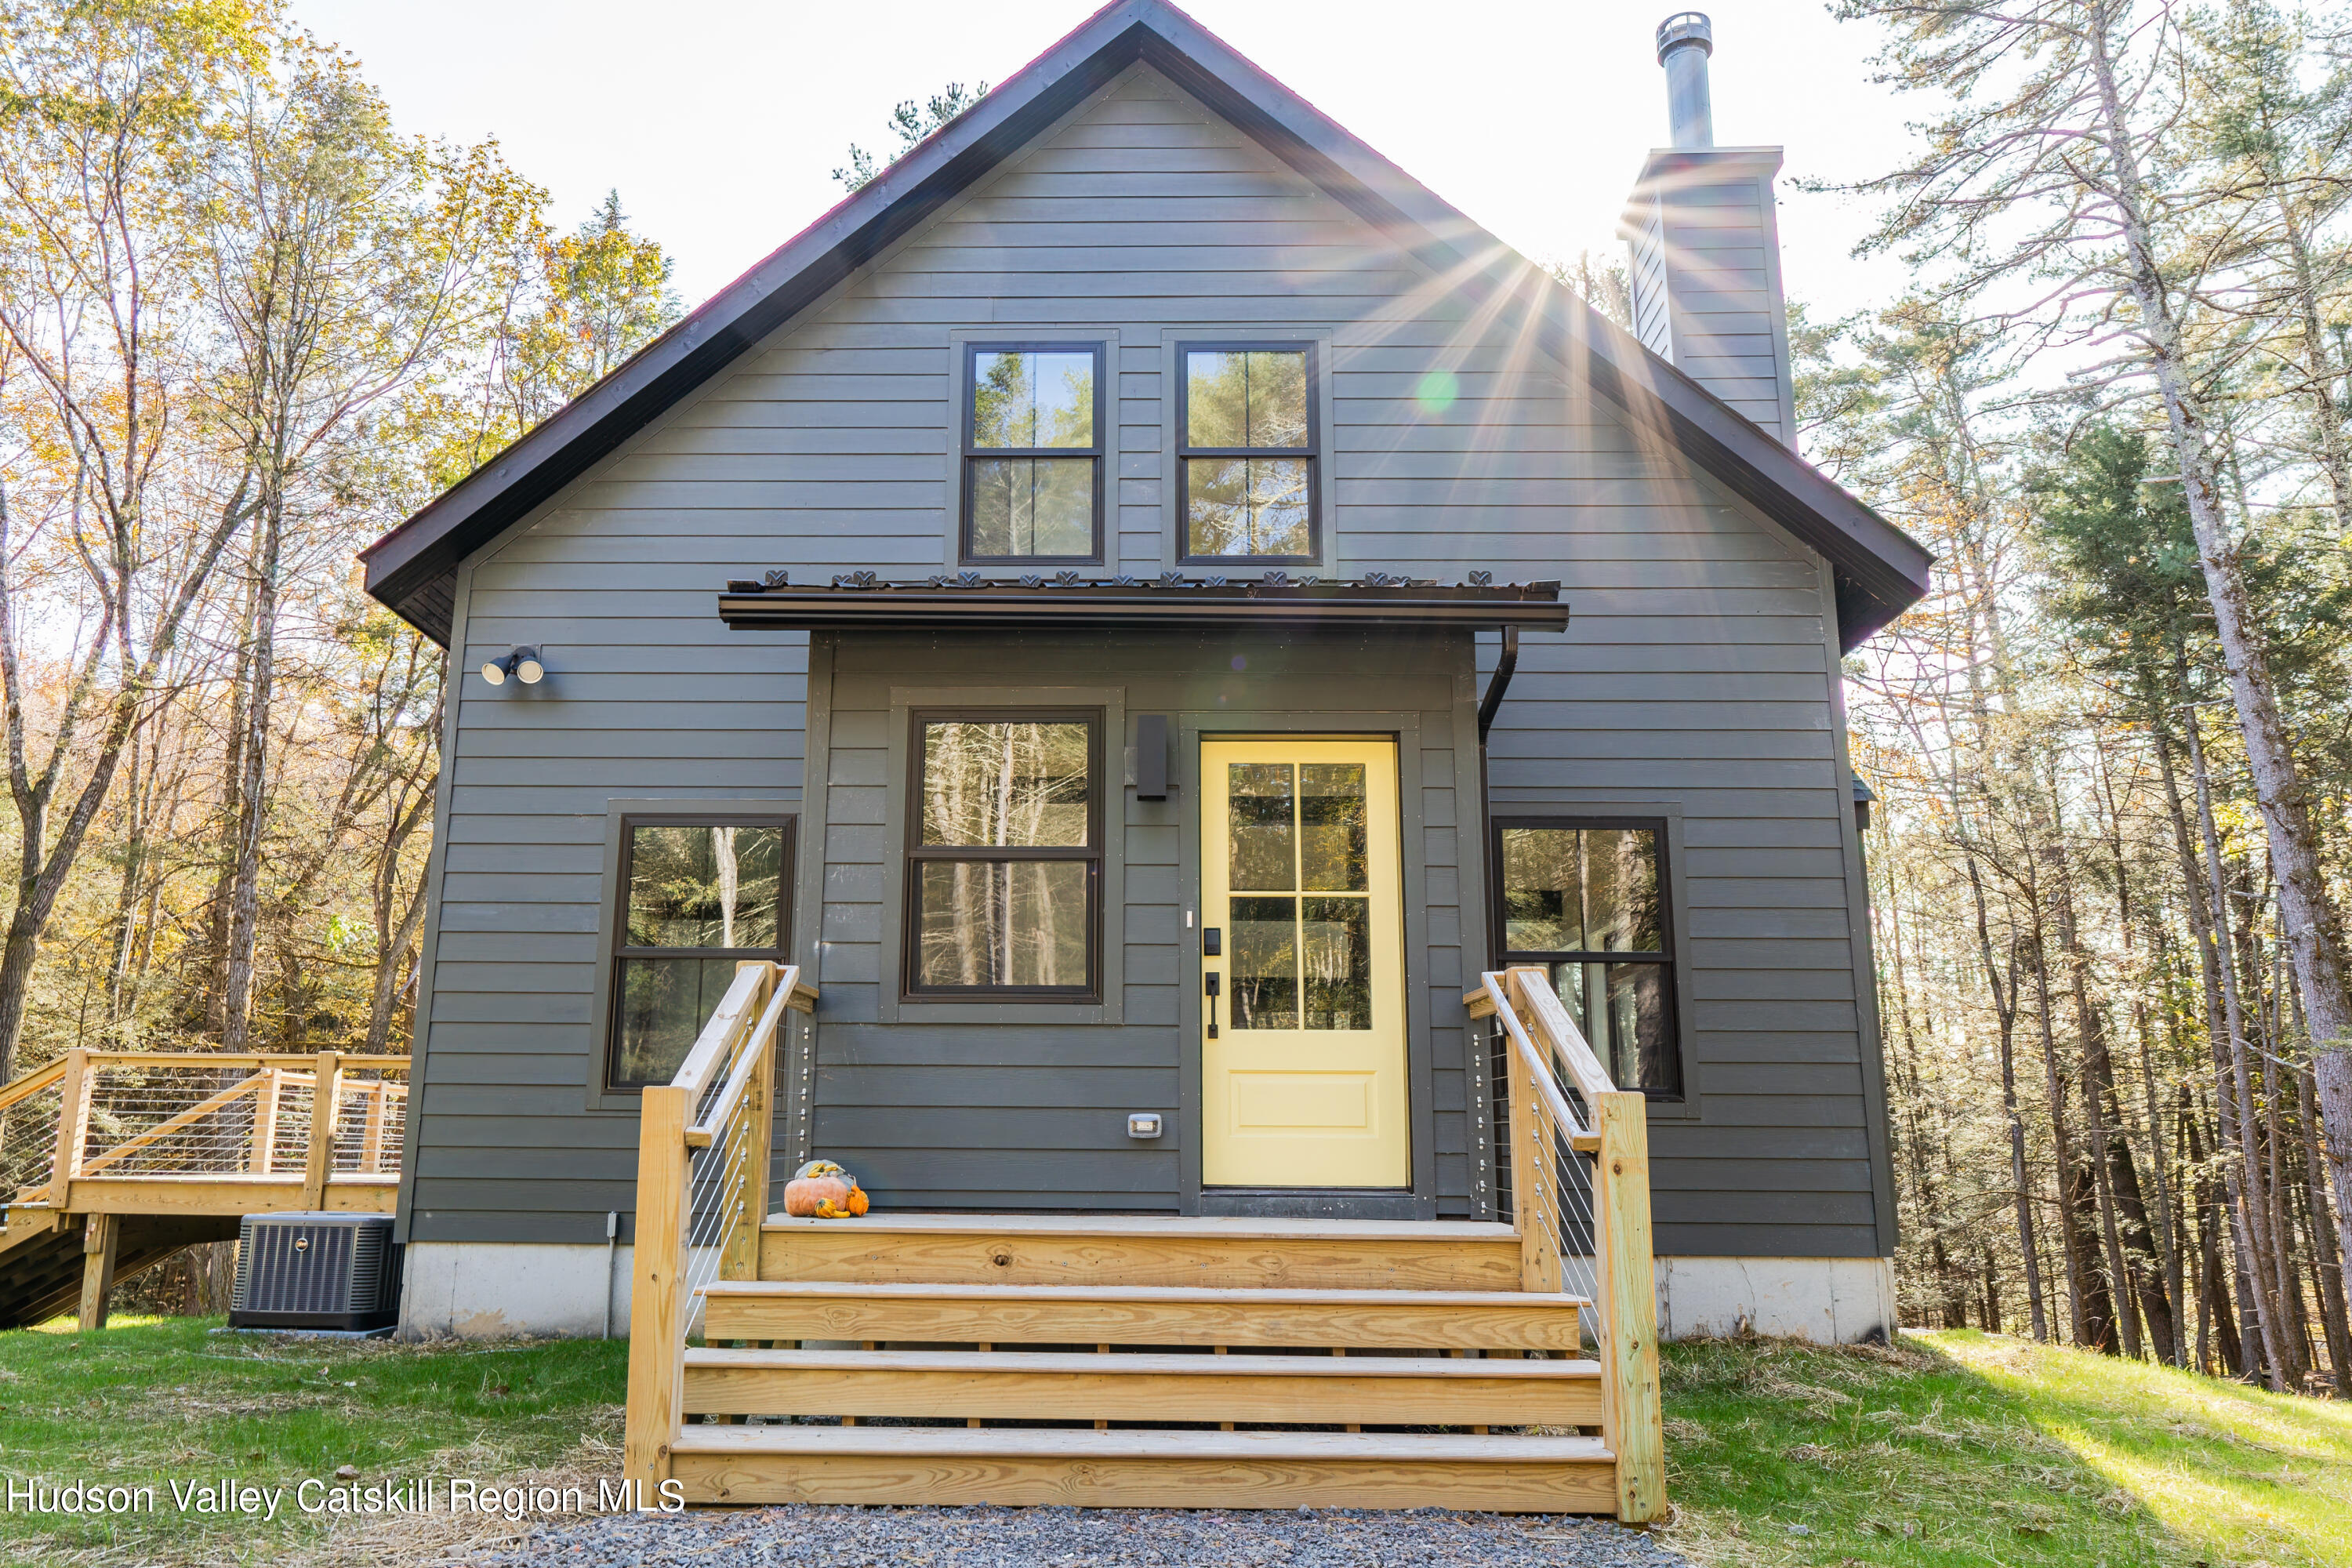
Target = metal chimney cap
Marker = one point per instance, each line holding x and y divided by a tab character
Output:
1684	27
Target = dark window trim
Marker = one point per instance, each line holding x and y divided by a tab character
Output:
972	350
1312	452
1665	957
619	947
918	853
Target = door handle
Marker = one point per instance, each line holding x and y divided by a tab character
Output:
1209	990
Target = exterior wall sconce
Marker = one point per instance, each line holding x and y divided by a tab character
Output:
523	664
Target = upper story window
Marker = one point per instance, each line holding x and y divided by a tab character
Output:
697	898
1586	902
1005	855
1033	452
1246	455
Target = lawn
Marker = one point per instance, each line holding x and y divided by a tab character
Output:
1945	1451
153	1400
1959	1450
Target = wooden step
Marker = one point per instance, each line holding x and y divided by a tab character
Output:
1212	1253
1143	1468
1117	1387
1143	1315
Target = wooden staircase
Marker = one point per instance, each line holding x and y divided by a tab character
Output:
1166	1348
1141	1361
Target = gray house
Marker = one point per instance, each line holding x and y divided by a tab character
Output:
1144	602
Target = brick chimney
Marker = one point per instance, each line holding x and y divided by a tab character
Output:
1706	241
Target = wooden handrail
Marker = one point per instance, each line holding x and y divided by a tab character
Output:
1625	1325
716	1045
235	1059
739	1041
739	1080
32	1083
1540	1076
1566	1041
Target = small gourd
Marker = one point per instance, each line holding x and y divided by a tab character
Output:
823	1190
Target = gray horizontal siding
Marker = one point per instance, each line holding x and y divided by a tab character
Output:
892	1099
1695	674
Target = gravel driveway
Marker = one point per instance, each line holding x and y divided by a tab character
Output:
824	1536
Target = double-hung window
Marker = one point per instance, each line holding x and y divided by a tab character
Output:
1033	482
1245	457
1005	855
1587	901
697	897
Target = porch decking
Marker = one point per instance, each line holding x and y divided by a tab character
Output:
1140	1360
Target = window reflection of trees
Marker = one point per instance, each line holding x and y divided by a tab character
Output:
1016	921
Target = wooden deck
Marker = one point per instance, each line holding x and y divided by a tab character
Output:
120	1159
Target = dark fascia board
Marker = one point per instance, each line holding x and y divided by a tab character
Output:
1113	606
1880	570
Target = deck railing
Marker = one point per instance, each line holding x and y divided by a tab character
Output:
74	1131
1580	1182
703	1142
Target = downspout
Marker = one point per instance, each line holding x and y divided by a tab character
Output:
1500	683
1507	663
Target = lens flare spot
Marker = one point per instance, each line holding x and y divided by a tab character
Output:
1437	391
1241	661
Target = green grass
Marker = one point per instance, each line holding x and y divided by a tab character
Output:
1958	1450
154	1399
1946	1451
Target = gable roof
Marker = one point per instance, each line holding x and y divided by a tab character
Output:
1879	570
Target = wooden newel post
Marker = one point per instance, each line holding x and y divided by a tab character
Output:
73	1128
326	1095
1635	1428
657	1302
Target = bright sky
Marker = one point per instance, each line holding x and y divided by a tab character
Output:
720	121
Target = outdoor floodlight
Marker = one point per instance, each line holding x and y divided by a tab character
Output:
523	664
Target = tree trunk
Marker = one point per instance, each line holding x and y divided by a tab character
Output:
2213	1296
245	886
2233	1089
2098	1087
2304	908
2329	1274
2004	1000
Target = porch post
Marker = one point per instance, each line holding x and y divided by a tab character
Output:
1629	1343
98	1235
657	1302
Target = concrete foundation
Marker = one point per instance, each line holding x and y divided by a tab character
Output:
480	1289
484	1290
1829	1300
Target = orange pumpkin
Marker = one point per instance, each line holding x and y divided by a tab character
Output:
823	1190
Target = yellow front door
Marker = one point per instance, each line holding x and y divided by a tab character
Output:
1302	1055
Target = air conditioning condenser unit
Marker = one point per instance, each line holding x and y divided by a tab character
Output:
316	1271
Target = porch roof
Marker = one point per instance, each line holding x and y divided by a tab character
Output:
859	600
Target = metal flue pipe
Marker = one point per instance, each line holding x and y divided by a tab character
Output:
1685	39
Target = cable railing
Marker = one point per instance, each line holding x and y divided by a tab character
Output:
1579	1168
704	1139
132	1117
